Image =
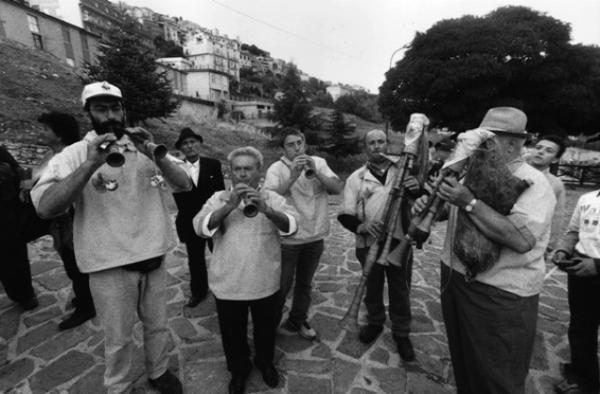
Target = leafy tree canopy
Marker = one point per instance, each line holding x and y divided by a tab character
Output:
514	56
124	62
292	107
253	49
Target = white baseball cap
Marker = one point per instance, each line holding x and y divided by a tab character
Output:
96	89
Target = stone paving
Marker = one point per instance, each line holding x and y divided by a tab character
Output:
35	357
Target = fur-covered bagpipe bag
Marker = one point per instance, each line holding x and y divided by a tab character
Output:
490	181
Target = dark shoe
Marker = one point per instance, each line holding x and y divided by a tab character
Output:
76	319
369	333
270	375
568	387
195	300
237	384
167	383
405	348
30	304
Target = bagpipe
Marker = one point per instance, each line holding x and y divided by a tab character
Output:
413	150
479	160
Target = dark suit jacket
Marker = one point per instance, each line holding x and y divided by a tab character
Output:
210	180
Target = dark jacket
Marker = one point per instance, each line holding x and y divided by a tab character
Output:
210	180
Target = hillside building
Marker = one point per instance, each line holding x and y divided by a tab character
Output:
207	50
188	80
33	28
337	91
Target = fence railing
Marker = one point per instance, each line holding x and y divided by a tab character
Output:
579	173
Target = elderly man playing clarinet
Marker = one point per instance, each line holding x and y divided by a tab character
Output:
491	317
244	273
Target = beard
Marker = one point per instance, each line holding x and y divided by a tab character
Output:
110	126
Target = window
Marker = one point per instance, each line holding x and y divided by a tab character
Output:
68	46
34	28
85	48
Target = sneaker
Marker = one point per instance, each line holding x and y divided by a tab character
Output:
288	328
369	333
167	383
405	348
307	332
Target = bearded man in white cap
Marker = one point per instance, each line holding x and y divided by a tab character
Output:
122	231
491	319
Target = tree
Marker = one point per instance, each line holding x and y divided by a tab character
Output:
124	62
167	48
515	56
292	108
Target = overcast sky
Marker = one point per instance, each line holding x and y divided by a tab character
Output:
351	41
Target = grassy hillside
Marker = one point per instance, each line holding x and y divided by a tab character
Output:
33	82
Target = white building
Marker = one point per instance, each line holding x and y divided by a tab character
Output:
208	50
187	80
67	10
337	91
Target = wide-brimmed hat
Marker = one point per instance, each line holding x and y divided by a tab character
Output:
98	89
186	132
507	121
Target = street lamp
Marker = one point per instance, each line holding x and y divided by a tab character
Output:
387	122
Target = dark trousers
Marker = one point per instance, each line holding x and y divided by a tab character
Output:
298	266
399	279
584	293
233	323
81	285
15	273
197	265
490	335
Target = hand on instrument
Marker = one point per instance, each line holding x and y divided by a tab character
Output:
255	197
412	184
140	138
419	205
586	267
373	228
455	192
298	165
237	194
97	155
559	256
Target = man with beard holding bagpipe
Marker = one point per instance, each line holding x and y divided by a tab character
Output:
490	304
363	210
121	231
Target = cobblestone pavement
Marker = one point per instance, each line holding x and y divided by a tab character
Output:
35	357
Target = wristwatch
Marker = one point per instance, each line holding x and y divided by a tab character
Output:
470	205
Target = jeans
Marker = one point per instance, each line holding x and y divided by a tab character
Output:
399	279
233	323
299	262
118	294
584	292
490	335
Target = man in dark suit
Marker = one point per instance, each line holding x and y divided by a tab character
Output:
207	178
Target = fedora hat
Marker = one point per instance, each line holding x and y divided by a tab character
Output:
186	132
507	121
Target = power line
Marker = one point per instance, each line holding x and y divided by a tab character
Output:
283	30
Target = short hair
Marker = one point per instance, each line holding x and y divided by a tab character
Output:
246	151
374	130
558	140
64	125
287	131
